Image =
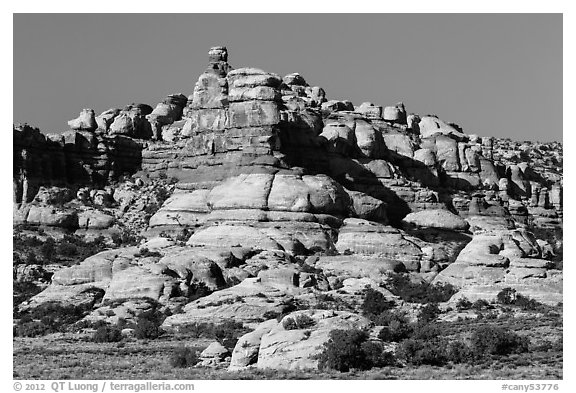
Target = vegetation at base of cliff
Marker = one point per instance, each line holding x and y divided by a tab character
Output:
427	341
44	249
414	292
226	332
184	357
47	318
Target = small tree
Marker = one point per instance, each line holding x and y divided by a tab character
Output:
107	334
489	340
375	303
428	313
343	351
184	357
507	296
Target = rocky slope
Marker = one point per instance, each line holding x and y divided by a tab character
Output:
265	193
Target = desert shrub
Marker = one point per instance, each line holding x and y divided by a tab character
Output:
480	304
509	296
396	326
343	351
184	235
48	318
270	315
288	307
48	250
459	352
493	340
67	249
426	331
197	290
375	303
125	238
376	356
428	313
144	252
148	324
419	352
528	304
31	259
107	334
184	357
31	329
301	321
57	313
506	296
23	291
147	329
227	332
329	302
86	324
463	304
400	285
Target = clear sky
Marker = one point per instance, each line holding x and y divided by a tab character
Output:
493	74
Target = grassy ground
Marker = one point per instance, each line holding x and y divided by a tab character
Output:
73	356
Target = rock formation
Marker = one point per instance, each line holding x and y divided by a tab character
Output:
277	194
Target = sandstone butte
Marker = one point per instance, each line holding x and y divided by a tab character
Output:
271	194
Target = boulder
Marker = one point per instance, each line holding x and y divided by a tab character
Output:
395	114
437	218
289	346
431	126
106	118
86	121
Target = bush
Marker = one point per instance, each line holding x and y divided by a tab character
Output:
184	357
144	252
227	332
428	313
31	329
107	334
67	249
47	318
480	304
197	290
301	321
463	304
147	329
396	326
427	331
489	340
31	259
343	351
376	356
125	238
507	296
23	291
148	324
400	285
48	250
375	303
419	352
459	352
527	304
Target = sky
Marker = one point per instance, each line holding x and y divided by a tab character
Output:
492	74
